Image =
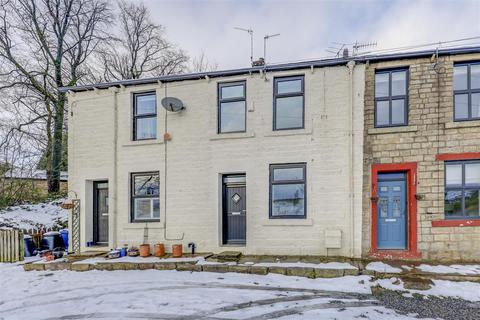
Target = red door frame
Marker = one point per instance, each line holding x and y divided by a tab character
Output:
411	252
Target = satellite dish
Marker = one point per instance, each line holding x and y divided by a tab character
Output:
172	104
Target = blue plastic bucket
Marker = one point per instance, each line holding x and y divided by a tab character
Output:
64	234
29	246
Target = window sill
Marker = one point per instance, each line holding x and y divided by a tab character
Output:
456	223
290	132
287	222
141	225
462	124
233	135
386	130
142	143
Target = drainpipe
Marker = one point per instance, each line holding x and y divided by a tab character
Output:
351	155
114	189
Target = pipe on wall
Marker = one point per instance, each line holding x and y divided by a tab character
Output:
351	155
114	189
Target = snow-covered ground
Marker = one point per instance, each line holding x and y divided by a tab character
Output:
464	269
155	294
34	216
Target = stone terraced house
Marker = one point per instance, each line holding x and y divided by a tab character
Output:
337	157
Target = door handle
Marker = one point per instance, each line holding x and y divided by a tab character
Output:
236	213
105	214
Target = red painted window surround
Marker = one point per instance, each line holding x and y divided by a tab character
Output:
456	223
411	169
460	222
458	156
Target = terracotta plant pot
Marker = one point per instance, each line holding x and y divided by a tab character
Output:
177	250
159	250
144	250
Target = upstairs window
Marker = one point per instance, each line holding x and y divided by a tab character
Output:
391	87
144	116
231	107
288	105
466	86
462	186
287	191
145	197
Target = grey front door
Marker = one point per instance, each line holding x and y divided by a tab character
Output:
100	213
234	209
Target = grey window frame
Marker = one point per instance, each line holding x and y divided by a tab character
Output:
272	182
390	98
220	100
469	91
142	116
276	80
462	187
133	196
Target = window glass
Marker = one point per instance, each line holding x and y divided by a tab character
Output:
472	173
461	106
231	92
288	174
475	105
453	174
460	80
399	83
475	76
383	113
289	86
288	200
145	104
381	85
146	184
398	111
471	203
289	112
232	116
146	128
453	203
143	208
156	208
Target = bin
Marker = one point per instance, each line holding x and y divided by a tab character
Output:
52	240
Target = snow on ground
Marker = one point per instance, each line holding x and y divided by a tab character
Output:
454	269
382	267
173	295
34	216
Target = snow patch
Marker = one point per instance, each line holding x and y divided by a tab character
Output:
34	216
454	269
329	265
382	267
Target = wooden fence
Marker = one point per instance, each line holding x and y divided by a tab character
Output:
11	245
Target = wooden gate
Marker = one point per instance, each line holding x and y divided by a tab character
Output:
11	245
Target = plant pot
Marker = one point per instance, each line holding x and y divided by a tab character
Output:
159	250
144	250
177	250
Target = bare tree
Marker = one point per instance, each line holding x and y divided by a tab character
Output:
203	64
44	45
140	49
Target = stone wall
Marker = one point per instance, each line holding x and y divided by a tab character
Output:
430	131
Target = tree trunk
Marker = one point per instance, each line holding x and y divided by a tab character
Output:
54	182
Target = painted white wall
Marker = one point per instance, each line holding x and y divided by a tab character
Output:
100	147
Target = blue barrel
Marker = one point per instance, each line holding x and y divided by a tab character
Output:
28	246
64	234
52	240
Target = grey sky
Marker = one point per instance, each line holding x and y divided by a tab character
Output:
307	28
